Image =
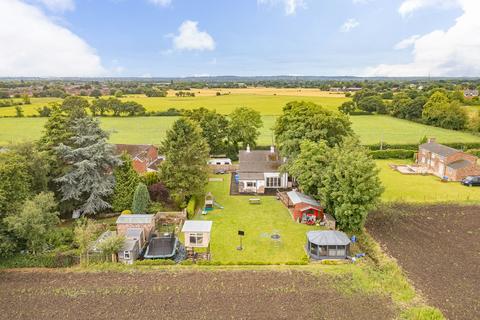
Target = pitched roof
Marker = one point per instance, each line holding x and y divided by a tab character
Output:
328	238
133	150
459	164
298	197
259	161
197	226
439	149
129	245
134	232
251	176
135	218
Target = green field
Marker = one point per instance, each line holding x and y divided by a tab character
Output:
422	189
371	129
225	104
259	222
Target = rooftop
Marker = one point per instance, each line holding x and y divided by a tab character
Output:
328	238
459	164
129	245
439	149
197	226
134	232
298	197
259	161
135	218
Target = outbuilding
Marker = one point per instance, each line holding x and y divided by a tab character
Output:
305	208
220	161
197	233
129	251
328	244
136	221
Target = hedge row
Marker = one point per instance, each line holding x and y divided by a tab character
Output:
46	260
393	154
475	152
162	262
455	145
192	205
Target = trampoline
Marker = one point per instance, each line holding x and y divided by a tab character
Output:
162	247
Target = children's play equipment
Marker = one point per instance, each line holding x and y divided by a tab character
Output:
210	203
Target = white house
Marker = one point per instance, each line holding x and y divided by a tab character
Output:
259	170
220	161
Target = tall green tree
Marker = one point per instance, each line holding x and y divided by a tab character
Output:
307	121
84	233
344	178
185	170
141	199
372	104
441	112
90	159
126	180
15	183
244	128
75	106
214	127
36	220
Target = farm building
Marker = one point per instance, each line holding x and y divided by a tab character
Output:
145	157
445	162
129	252
328	244
126	222
260	170
220	162
197	233
305	208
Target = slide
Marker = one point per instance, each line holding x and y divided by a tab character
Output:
218	205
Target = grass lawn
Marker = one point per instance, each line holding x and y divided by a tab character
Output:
29	109
422	189
258	222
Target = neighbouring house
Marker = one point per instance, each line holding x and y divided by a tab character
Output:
259	170
445	162
469	93
329	244
127	223
129	252
219	161
145	157
305	208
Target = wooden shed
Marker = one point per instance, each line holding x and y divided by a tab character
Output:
197	233
305	208
129	252
328	244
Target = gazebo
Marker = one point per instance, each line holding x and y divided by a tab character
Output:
329	244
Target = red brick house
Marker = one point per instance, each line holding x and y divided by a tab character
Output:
445	162
145	157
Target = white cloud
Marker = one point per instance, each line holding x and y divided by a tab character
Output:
290	6
161	3
58	5
349	25
409	6
452	52
33	45
407	43
190	38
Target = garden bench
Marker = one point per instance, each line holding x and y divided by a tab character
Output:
254	201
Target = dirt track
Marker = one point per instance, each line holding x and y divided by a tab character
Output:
181	295
438	246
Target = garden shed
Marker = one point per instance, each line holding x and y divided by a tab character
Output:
133	221
305	208
328	244
197	233
129	252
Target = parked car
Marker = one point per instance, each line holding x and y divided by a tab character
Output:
471	181
220	171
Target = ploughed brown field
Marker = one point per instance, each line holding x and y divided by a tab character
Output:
241	294
439	248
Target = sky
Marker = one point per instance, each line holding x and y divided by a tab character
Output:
177	38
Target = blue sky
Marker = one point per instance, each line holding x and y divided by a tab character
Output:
248	37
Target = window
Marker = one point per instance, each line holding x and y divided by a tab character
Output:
251	184
313	249
332	251
273	182
323	251
196	238
341	251
126	255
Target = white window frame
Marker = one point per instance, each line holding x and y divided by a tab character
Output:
251	184
126	255
198	238
273	182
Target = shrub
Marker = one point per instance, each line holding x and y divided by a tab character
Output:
126	212
392	154
155	262
159	193
192	205
187	263
47	260
141	199
475	152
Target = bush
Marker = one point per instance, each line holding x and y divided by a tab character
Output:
187	263
155	262
192	205
127	212
392	154
475	152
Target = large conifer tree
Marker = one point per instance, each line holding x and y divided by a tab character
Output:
88	181
126	180
184	171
